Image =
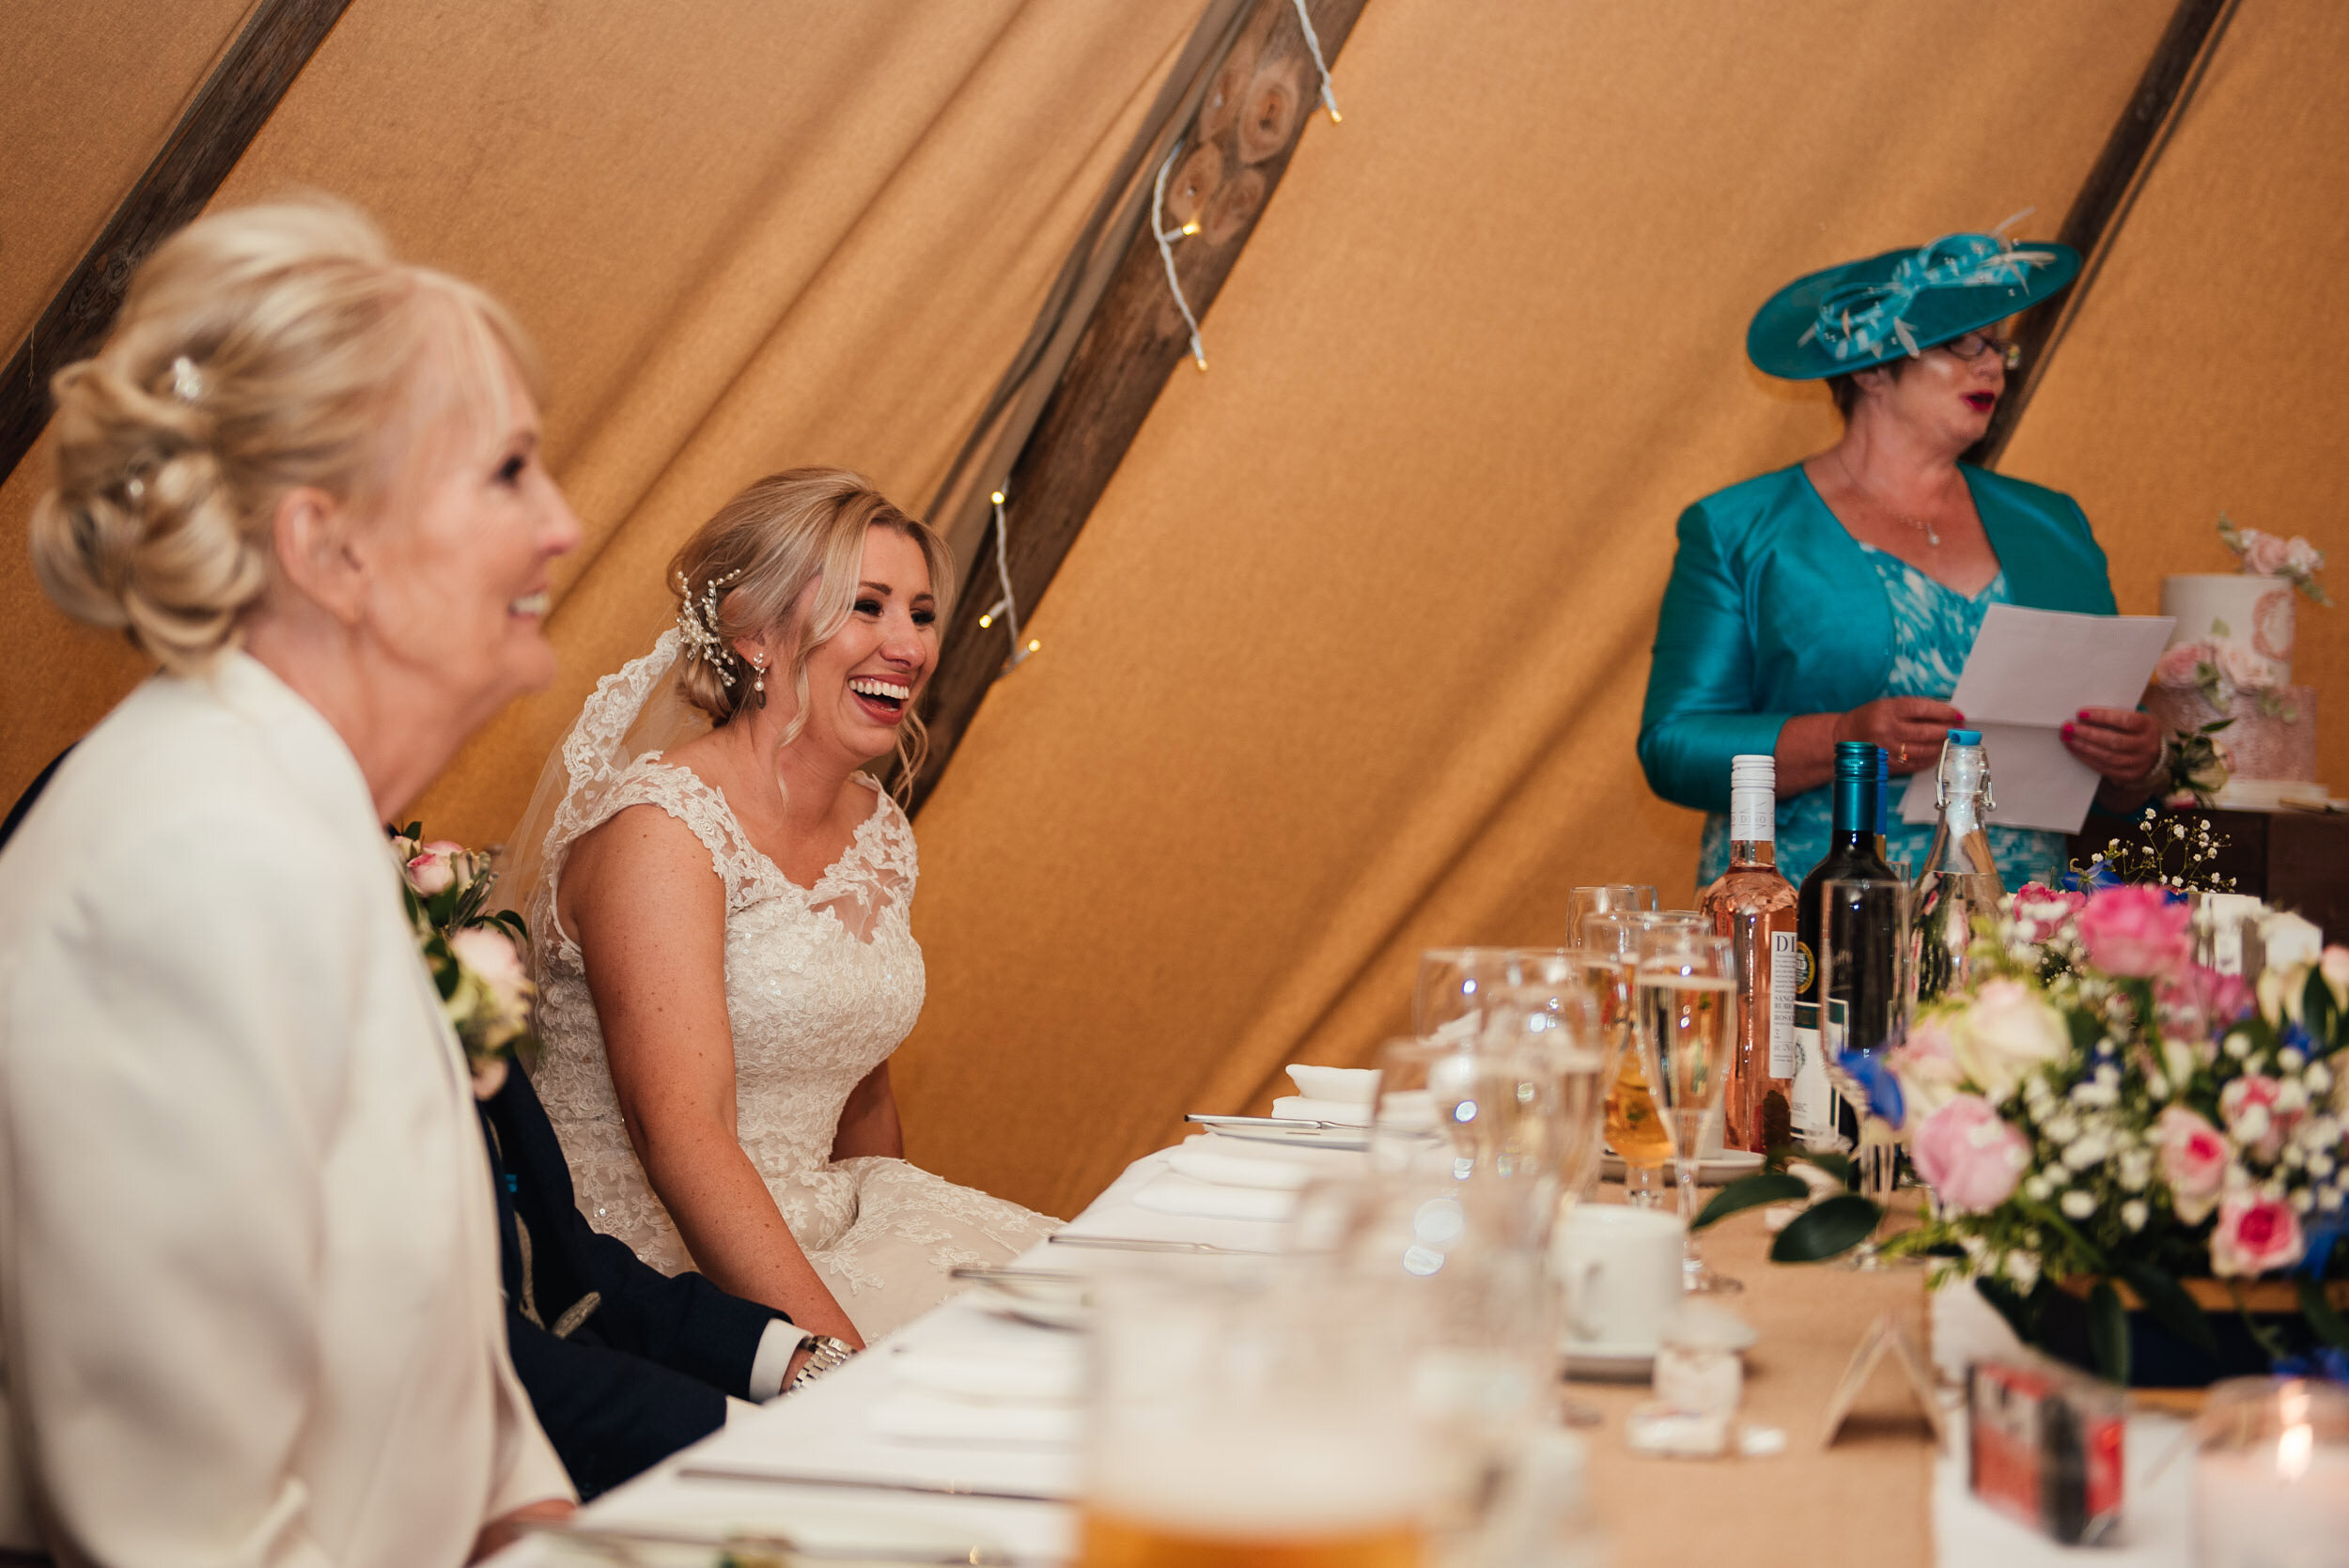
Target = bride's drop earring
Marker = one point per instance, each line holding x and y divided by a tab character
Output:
758	685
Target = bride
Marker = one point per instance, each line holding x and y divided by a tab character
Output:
724	959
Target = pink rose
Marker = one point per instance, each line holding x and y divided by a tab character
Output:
2303	559
2254	1235
433	869
490	953
2194	1161
2243	669
2135	931
2249	1106
1972	1160
1926	1065
2178	666
2203	1000
2334	966
2265	555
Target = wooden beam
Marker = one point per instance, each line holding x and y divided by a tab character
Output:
277	40
1260	92
2105	198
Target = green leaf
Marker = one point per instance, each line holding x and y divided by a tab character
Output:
2316	1005
2169	1305
1750	1192
2323	1315
1826	1229
2108	1332
1838	1166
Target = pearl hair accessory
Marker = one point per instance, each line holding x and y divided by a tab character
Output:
187	382
697	624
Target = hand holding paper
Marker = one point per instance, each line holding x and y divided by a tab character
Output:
2030	671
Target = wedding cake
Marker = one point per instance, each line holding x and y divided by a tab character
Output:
2229	657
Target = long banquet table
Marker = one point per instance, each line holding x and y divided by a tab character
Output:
1877	1492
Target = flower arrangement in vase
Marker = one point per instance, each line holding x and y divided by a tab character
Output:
474	958
2106	1115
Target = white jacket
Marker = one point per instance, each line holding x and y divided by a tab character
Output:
249	1303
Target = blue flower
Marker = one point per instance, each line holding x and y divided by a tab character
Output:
2099	874
1884	1089
2329	1362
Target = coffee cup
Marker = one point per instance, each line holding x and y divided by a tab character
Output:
1620	1269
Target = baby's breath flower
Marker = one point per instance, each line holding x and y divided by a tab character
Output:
2077	1204
2133	1214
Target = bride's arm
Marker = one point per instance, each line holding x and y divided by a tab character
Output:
868	1123
649	916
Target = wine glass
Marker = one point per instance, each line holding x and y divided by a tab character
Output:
1448	996
1635	1129
1607	898
1687	999
1546	1017
1480	1107
1867	969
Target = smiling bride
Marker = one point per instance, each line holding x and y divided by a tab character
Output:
724	959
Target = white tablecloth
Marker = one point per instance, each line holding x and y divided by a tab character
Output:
836	1429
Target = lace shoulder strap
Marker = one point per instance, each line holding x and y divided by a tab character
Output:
701	806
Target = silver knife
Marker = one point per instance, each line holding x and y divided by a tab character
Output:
1149	1244
618	1543
1282	1123
863	1484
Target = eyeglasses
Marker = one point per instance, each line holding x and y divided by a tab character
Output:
1972	345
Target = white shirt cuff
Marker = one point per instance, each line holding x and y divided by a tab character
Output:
776	1346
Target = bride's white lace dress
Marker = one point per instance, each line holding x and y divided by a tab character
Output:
822	983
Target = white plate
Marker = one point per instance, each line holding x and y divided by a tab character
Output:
1719	1171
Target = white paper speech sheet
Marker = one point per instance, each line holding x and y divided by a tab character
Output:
2030	672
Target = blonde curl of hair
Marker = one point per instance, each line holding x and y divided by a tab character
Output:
259	350
793	536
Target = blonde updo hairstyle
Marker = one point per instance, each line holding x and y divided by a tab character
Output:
259	350
790	539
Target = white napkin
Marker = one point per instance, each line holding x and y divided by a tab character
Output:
1346	1085
1296	1108
1222	1162
909	1416
988	1377
1174	1193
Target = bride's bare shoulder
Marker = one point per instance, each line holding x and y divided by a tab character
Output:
642	856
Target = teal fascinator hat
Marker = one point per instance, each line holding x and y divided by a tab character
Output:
1864	313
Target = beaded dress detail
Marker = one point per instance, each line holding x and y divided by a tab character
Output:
822	984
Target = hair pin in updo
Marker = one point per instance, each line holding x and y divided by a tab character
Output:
697	624
136	488
187	382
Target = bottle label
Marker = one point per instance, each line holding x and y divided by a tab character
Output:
1752	817
1784	985
1810	1099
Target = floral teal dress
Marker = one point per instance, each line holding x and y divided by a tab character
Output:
1934	628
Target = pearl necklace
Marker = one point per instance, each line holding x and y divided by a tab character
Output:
1922	525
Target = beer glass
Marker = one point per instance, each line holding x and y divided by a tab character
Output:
1634	1131
1686	990
1252	1419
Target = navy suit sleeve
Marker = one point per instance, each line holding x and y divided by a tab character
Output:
610	1415
1701	686
683	1323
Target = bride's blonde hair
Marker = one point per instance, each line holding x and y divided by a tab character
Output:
787	536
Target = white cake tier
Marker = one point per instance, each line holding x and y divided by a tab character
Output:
2250	616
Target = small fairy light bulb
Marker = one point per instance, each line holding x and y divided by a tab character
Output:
996	498
1191	228
986	620
1036	645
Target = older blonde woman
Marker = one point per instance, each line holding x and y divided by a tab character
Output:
725	953
248	1258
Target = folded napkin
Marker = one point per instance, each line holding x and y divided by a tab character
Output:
909	1416
1222	1162
1346	1085
1175	1193
1296	1108
990	1377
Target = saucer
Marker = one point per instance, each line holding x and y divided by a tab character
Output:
1609	1361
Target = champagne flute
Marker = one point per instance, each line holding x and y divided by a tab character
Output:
1686	990
1607	898
1448	997
1635	1129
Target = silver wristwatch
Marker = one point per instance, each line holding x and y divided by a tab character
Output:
824	1354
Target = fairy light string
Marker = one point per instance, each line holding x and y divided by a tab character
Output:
1313	43
1166	238
1007	606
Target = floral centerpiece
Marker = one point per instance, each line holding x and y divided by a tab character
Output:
2102	1115
474	957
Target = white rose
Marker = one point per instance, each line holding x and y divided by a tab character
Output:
2290	941
490	953
2004	1032
2243	669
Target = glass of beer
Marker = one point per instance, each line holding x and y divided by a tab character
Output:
1686	995
1635	1129
1252	1421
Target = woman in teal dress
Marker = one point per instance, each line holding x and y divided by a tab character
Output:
1836	600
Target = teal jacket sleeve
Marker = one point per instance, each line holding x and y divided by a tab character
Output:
1700	686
